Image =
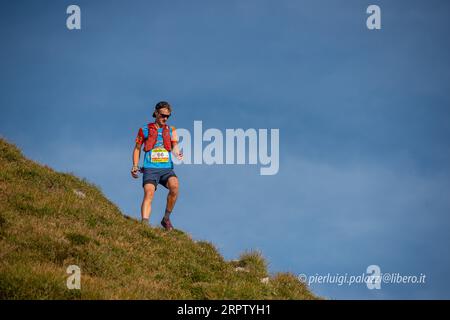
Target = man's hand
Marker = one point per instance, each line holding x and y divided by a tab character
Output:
134	172
176	151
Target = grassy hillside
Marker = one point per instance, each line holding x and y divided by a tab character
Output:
50	220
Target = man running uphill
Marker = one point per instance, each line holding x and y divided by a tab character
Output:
160	142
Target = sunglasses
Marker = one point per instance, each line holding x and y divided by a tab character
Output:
164	115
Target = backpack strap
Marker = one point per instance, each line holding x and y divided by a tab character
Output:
166	138
152	136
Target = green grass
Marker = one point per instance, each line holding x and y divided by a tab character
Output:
45	227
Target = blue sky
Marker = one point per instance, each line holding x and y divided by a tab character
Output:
363	118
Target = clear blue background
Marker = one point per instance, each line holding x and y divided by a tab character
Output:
363	118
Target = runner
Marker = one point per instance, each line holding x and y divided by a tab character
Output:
160	142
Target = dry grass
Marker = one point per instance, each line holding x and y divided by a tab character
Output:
45	227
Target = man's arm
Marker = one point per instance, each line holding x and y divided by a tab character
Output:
175	150
136	154
136	157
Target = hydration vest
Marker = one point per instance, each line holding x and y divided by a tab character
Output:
153	136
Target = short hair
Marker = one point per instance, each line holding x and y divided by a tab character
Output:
161	105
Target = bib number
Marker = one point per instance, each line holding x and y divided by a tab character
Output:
159	155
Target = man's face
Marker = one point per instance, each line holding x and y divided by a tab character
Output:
162	115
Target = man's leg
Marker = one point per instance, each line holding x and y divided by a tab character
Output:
146	208
172	185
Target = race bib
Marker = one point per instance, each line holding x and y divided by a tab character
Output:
159	155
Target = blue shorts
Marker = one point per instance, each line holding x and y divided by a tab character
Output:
155	176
